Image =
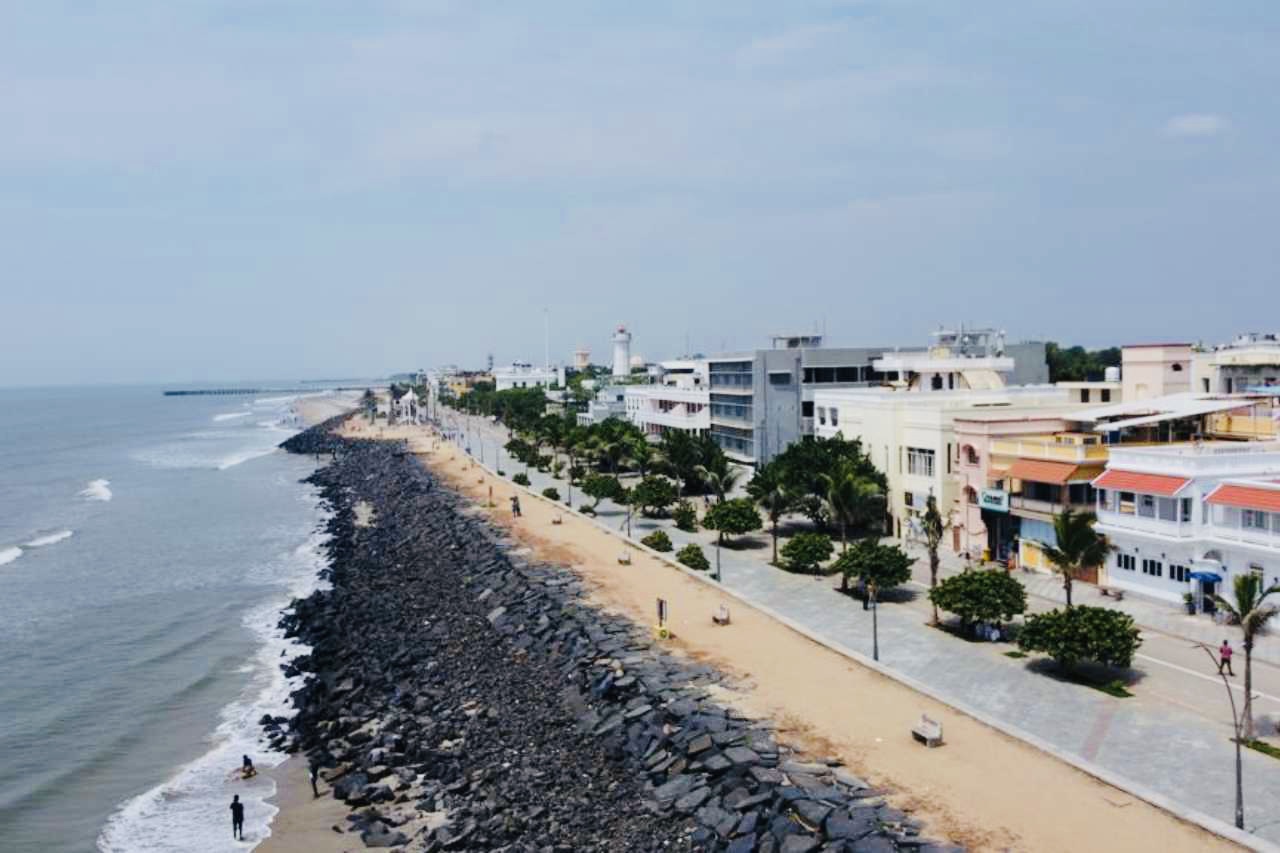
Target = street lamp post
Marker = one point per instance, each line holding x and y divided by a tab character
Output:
717	558
872	592
1238	723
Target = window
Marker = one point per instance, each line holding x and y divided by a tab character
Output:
972	494
806	409
1084	395
1185	515
779	378
822	415
1255	519
1147	506
835	417
908	499
1128	502
971	455
1106	395
920	461
1179	574
1176	367
848	374
1255	569
1153	568
1167	509
1125	561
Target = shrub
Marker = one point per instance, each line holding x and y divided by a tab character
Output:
520	479
576	473
543	462
587	509
733	517
1082	633
981	596
686	517
884	565
653	495
658	540
551	493
691	555
805	552
601	486
556	468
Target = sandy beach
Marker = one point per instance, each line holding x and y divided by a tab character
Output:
314	410
984	789
305	822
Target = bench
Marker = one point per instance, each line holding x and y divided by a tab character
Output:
927	731
624	559
1113	592
722	617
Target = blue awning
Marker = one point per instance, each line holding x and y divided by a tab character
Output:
1207	576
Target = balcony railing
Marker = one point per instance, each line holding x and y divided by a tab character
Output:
1246	535
1050	450
1146	524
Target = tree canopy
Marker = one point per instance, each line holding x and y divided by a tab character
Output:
1076	364
981	596
804	553
804	469
732	517
1082	633
885	566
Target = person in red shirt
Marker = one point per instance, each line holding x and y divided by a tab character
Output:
1224	658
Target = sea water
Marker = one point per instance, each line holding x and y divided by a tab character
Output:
147	545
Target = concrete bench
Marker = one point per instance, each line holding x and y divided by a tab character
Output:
927	731
1113	592
722	617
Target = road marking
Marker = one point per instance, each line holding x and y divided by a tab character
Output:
1213	678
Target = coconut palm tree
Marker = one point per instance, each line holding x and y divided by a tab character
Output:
1250	611
775	502
1079	546
851	500
721	481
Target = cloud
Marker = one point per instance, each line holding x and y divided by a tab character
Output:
1196	125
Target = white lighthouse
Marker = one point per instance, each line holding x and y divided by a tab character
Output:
621	352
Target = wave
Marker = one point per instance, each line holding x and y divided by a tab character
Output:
97	491
51	539
231	416
8	555
243	456
187	811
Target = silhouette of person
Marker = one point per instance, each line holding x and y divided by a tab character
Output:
237	818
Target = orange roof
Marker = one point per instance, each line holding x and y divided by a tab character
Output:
1246	497
1147	484
1040	471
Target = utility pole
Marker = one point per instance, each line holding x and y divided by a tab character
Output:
1238	723
717	557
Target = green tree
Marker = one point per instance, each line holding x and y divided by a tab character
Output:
934	527
1248	609
658	540
852	500
767	490
1079	547
691	555
551	493
804	553
1082	633
601	486
1076	364
804	466
653	495
980	596
886	566
720	480
732	518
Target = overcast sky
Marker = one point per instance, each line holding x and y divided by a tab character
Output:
219	190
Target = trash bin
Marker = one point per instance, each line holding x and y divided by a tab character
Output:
986	555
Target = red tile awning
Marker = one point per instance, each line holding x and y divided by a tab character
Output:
1147	484
1246	497
1041	471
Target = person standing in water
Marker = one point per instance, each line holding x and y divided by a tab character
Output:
237	818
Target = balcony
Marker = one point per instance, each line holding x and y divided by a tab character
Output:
1242	426
677	418
1048	449
1122	522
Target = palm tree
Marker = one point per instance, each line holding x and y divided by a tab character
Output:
850	500
1250	611
719	481
1079	546
776	501
934	527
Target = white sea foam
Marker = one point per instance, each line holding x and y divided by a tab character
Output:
231	416
97	491
188	811
8	555
51	539
234	459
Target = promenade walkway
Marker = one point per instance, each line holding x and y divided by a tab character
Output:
1172	749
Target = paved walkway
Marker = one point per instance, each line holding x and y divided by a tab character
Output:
1171	750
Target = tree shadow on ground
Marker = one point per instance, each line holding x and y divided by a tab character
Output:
1086	674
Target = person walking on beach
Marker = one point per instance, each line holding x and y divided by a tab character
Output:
1224	658
237	818
515	506
313	773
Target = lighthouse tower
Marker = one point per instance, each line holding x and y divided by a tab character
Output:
621	352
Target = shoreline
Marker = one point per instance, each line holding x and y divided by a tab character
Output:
985	788
303	823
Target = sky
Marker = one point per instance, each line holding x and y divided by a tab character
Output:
199	191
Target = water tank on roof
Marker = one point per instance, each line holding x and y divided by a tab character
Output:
1111	374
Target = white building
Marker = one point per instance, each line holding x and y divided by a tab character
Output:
910	435
522	374
1188	518
658	408
609	402
1249	363
621	352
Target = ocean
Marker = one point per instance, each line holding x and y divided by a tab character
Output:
147	545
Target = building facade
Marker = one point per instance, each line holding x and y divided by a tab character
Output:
522	374
1187	519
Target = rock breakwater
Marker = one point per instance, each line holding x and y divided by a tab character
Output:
463	696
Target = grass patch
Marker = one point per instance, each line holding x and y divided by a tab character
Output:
1115	687
1015	654
1263	747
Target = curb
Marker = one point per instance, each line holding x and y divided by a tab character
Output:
1142	792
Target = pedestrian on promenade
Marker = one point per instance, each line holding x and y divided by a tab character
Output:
515	506
237	818
1224	658
313	773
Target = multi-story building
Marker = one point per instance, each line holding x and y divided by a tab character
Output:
1155	370
1188	518
679	399
608	402
1249	363
522	374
